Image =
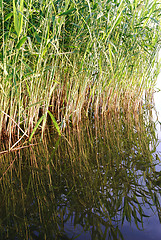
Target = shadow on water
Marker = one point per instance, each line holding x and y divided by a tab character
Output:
84	185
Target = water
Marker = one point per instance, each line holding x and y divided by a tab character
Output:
101	180
98	182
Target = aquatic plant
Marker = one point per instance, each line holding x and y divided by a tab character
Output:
73	58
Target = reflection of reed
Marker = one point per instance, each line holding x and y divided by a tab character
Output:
99	174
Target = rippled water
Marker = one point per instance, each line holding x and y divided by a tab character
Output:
100	181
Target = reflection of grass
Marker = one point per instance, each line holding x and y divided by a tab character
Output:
70	57
100	174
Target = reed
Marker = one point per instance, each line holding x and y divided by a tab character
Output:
66	59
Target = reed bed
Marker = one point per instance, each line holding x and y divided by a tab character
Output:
69	59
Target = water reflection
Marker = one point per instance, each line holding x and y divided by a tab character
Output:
86	184
157	98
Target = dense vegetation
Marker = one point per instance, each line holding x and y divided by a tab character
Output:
69	59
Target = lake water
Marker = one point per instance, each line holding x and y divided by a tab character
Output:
101	180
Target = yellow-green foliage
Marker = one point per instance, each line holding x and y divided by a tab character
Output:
71	58
18	16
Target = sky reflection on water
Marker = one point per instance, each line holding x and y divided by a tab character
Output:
152	227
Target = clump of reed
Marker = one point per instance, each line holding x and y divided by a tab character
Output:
67	59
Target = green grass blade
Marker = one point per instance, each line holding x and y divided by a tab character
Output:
9	15
36	126
68	12
55	123
21	42
18	17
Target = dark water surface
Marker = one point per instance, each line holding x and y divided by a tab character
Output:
101	180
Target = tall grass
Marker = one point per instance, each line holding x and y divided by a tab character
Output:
73	58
